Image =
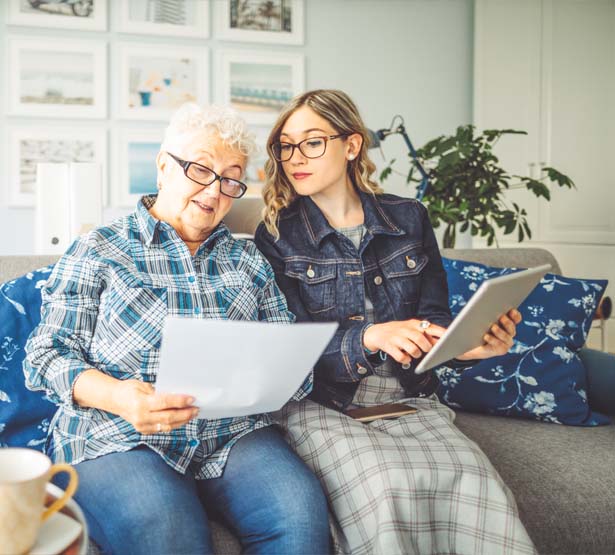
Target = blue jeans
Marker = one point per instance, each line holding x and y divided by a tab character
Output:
135	503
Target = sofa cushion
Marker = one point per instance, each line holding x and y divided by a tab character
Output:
542	377
562	478
24	414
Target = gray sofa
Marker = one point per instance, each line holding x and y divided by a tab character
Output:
562	477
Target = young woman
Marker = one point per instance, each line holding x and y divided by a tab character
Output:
343	250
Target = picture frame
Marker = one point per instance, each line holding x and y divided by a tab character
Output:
31	144
255	171
135	164
258	84
86	15
155	81
273	21
57	77
153	17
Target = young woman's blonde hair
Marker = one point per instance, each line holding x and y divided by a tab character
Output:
341	112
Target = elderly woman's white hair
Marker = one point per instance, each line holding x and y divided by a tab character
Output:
222	121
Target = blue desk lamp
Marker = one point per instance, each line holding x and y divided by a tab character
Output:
397	128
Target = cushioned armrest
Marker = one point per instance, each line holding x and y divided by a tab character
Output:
601	379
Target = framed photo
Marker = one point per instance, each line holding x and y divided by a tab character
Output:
135	162
57	78
165	17
29	145
88	15
155	80
272	21
258	84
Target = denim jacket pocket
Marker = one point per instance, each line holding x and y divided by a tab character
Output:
317	282
403	274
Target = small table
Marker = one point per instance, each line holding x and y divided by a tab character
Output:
71	509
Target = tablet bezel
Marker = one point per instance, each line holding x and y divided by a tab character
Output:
465	331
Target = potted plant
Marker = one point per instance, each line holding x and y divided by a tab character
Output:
467	185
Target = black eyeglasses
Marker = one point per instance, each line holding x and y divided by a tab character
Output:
314	147
206	176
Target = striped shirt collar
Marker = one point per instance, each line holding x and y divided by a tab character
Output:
151	228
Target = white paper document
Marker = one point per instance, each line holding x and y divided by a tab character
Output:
236	367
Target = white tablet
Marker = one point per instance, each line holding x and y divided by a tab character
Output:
493	298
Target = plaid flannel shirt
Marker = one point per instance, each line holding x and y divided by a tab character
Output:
104	306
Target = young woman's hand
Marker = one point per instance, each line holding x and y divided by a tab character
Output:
403	340
499	338
150	412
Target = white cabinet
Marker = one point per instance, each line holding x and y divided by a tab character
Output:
548	67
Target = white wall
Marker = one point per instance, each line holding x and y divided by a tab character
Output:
412	57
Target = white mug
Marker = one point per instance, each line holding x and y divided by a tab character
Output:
24	474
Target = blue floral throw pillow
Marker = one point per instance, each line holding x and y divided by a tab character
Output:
542	377
24	414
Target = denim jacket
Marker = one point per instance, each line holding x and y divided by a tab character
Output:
324	278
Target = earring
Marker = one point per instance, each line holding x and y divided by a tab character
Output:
351	157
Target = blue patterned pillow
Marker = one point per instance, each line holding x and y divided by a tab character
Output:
24	414
542	377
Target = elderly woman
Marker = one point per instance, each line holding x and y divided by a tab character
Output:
147	465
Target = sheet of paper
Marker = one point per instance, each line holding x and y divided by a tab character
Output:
236	368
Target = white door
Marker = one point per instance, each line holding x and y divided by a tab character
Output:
578	106
548	67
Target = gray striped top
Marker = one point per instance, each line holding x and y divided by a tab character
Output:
382	386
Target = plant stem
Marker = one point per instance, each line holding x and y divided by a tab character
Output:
450	234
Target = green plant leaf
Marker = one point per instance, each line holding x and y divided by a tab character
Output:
468	185
493	134
409	179
559	178
384	174
537	187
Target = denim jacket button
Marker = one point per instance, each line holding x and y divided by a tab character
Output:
361	370
310	273
410	263
378	280
405	366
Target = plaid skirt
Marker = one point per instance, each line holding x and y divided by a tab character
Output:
415	484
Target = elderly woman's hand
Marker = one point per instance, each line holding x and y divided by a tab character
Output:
150	412
135	401
498	340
